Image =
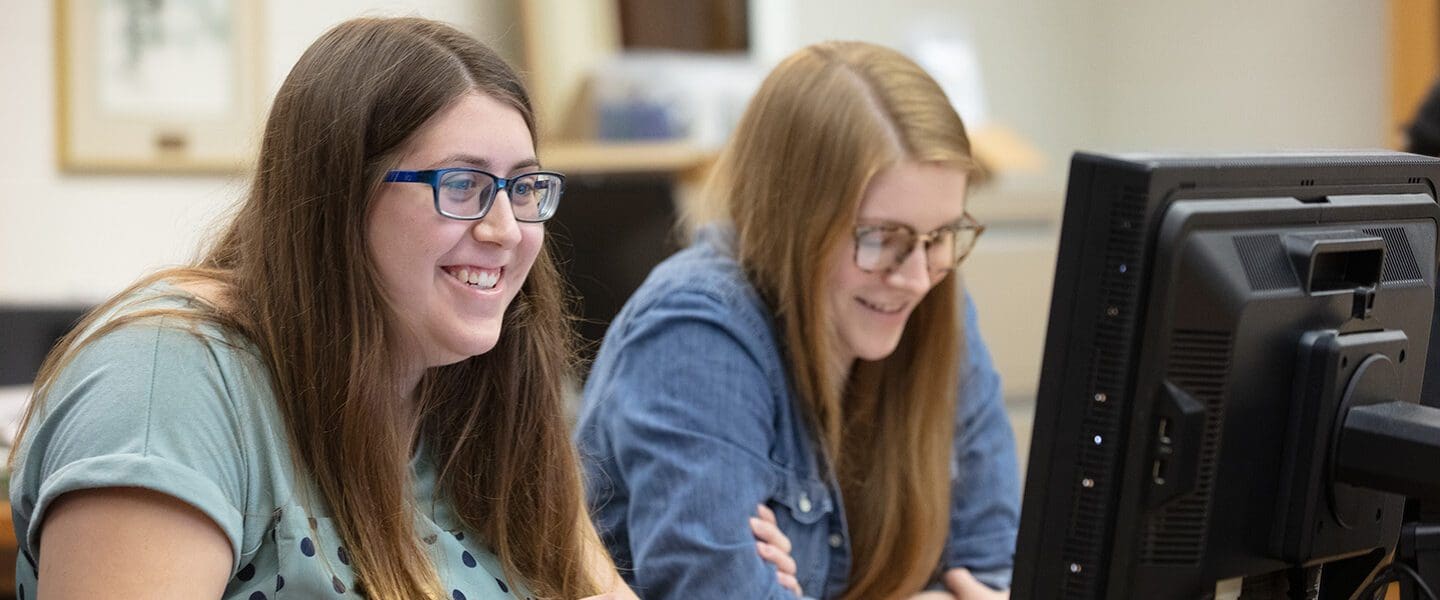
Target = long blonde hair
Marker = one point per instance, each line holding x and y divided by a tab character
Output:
823	124
299	282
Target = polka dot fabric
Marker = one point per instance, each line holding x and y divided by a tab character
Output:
193	416
301	557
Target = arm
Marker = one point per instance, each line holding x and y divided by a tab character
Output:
771	543
690	429
131	543
137	438
965	587
985	492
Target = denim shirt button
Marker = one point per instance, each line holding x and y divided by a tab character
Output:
805	503
836	541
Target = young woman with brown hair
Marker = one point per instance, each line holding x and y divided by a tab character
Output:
358	388
807	353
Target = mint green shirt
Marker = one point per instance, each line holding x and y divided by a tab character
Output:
191	414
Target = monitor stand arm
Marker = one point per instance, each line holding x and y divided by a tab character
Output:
1391	446
1370	444
1394	446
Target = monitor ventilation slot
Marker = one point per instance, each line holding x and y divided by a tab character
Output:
1199	364
1091	517
1267	267
1400	263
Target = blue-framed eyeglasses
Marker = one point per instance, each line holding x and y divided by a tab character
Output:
466	194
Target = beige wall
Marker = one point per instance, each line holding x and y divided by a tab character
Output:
1108	74
1120	75
81	238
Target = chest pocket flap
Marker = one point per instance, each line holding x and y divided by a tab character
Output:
808	500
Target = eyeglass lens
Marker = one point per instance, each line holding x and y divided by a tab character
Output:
468	194
886	248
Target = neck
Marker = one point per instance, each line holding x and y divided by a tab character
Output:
840	366
410	367
842	358
408	384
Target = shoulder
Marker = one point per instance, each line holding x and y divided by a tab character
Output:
154	340
151	378
152	363
154	397
702	283
695	333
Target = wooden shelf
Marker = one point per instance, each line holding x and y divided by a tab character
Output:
679	158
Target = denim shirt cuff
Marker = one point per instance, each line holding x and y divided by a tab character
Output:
995	579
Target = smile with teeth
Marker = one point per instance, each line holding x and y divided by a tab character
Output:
888	309
476	277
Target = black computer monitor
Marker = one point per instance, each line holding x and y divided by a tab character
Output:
1232	374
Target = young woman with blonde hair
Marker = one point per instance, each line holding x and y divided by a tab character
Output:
358	389
812	352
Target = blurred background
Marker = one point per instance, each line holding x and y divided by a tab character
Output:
127	124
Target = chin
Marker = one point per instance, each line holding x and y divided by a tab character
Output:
462	349
481	346
877	356
875	352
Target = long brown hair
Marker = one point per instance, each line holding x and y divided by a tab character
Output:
298	281
824	123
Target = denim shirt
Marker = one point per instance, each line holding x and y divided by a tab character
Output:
690	420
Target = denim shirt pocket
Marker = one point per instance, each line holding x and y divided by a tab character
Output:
804	508
806	498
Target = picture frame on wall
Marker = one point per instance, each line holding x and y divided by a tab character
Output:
158	86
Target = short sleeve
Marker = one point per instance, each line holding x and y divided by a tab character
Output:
145	405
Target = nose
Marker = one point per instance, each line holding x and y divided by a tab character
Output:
913	273
499	225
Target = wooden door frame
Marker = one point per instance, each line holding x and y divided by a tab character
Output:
1414	61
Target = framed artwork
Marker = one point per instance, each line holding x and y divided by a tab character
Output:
158	85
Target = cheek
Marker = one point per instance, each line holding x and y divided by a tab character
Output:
406	247
846	281
531	241
383	236
840	271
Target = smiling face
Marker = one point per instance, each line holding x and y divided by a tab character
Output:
868	311
449	281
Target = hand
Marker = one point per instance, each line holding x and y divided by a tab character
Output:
932	596
774	547
601	568
965	587
620	592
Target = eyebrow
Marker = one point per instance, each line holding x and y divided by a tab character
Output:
480	162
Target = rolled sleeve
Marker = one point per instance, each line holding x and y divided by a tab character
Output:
144	406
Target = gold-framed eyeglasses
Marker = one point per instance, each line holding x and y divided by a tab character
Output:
884	247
